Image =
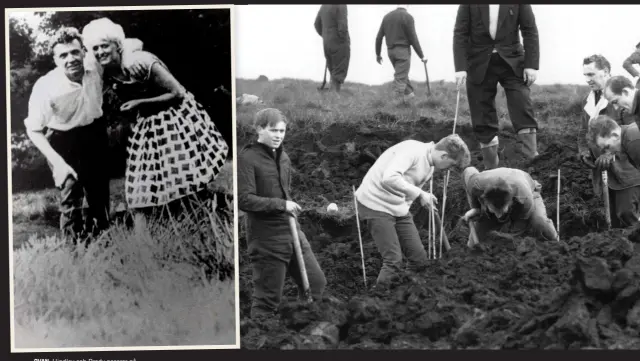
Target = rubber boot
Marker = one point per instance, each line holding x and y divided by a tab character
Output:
490	157
529	145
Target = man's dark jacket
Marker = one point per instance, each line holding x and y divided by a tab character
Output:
473	45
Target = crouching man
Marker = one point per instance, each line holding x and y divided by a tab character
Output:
505	197
618	141
389	188
264	186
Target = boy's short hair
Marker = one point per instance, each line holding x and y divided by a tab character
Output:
64	35
456	149
601	126
269	117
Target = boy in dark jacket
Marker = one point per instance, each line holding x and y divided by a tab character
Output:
264	181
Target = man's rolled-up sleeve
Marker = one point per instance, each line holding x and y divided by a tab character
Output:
39	107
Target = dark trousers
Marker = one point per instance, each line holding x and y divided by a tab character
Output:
482	100
394	236
337	56
624	206
272	260
400	58
85	150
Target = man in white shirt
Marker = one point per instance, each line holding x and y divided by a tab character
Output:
487	48
389	188
63	108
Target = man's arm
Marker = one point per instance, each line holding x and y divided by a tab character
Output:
343	23
633	152
39	112
583	146
473	195
461	38
530	39
318	22
410	30
628	63
393	176
248	200
379	38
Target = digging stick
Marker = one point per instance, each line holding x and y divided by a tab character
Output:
558	207
605	195
446	179
298	249
426	73
355	204
324	81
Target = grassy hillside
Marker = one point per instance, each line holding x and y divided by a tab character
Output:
167	282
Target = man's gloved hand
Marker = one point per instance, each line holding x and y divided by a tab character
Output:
604	162
586	158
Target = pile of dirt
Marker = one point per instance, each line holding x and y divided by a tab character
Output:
510	293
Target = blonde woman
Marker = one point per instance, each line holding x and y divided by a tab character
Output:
175	149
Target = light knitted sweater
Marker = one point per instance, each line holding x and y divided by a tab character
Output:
396	178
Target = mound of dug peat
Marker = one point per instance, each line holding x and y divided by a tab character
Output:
581	293
508	293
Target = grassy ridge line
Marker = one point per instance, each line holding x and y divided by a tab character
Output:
152	286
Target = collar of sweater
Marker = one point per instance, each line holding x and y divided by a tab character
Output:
430	147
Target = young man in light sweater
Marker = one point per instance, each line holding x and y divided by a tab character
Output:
389	188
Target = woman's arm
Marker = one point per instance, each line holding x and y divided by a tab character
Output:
162	77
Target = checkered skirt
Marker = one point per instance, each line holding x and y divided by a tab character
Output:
172	154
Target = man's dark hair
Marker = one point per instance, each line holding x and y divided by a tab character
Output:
499	193
64	35
617	83
638	45
601	62
601	126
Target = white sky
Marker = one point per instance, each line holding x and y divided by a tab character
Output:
280	41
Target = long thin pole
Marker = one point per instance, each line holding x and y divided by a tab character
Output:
355	204
432	224
558	207
446	179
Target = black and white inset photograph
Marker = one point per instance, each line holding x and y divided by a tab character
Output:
121	193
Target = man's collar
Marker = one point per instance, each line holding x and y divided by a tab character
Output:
270	150
430	153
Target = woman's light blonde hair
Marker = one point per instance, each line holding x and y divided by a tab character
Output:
103	29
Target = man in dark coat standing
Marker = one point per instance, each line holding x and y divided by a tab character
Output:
398	28
331	23
487	51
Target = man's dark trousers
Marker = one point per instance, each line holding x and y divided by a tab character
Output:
85	150
482	103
